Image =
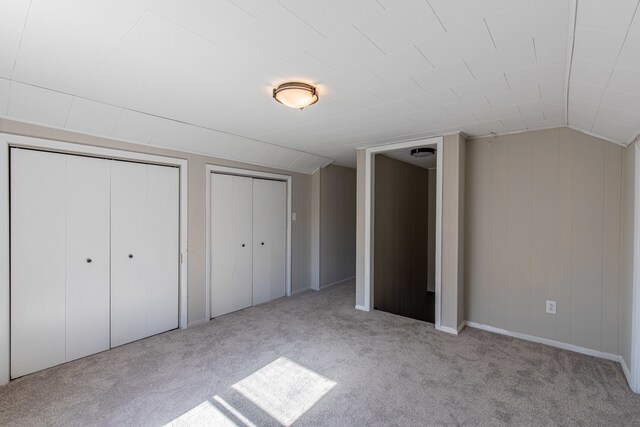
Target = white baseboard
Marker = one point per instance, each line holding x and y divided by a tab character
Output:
546	341
197	323
323	287
452	331
447	329
362	308
462	325
300	290
564	346
627	373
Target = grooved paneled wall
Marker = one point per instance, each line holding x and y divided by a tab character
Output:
401	237
626	237
543	223
337	224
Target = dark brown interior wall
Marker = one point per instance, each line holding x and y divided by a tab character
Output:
400	238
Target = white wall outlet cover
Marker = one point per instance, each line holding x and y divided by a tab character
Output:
551	307
293	216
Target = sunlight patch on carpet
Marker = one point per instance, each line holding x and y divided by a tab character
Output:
205	414
239	415
284	389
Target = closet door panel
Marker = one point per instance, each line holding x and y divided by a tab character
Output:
269	240
163	252
129	290
231	243
37	261
87	257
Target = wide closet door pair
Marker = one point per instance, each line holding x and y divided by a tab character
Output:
248	242
92	265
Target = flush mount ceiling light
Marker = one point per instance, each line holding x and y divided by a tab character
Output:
423	152
296	94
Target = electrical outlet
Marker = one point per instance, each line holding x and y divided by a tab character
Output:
551	307
293	216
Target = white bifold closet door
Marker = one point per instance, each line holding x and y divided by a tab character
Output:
87	258
269	239
59	259
231	243
248	242
144	251
94	255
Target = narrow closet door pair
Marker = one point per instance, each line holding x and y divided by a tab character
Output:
248	242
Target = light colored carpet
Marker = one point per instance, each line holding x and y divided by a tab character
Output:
313	359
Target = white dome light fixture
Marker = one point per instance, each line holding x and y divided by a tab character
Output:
296	94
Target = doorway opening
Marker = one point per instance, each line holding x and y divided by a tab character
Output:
370	288
404	232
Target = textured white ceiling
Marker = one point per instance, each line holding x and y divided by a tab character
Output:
197	75
404	155
604	88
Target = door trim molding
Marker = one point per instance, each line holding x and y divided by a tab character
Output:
6	142
210	168
369	192
634	368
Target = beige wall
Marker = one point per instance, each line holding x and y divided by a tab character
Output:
360	228
315	230
626	234
337	224
543	223
453	231
301	201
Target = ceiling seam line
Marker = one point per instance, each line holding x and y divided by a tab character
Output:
24	27
322	62
437	16
303	20
486	24
370	41
108	55
507	81
424	56
569	59
464	61
190	31
6	111
246	11
66	119
624	41
115	123
419	85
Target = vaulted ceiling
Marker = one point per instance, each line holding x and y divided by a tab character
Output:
197	75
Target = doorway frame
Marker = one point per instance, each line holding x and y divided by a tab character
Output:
632	372
369	193
7	141
227	170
